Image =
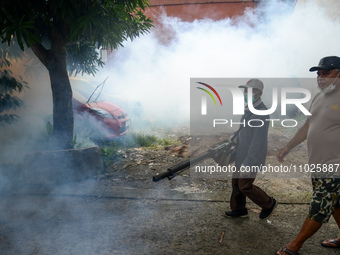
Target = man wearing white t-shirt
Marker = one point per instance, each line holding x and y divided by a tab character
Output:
322	131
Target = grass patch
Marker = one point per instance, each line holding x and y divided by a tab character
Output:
144	140
153	141
112	150
110	153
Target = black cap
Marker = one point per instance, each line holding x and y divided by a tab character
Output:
253	83
332	62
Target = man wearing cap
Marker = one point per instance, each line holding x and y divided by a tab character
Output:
251	150
322	131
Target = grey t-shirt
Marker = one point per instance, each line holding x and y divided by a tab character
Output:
323	138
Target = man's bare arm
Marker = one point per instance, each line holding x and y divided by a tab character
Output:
298	138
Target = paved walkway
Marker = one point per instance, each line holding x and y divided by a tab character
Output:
94	217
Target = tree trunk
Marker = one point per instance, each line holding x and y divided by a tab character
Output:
61	90
54	60
62	108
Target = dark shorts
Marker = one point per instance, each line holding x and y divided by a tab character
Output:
326	197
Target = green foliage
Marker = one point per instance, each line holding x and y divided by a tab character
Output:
167	141
152	141
7	119
49	27
144	140
20	26
112	149
110	152
9	87
140	139
74	141
81	140
85	26
83	58
9	53
109	155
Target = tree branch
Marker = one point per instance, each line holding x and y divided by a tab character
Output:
40	52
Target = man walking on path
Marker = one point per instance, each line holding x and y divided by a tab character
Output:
322	131
251	150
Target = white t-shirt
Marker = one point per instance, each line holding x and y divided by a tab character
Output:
323	138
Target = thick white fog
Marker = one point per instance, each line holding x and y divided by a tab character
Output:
275	41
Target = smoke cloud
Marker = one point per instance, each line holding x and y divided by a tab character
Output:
272	42
275	41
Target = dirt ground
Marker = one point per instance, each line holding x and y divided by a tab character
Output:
124	212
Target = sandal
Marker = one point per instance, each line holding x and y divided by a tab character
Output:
287	251
331	241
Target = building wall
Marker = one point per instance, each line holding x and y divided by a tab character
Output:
189	10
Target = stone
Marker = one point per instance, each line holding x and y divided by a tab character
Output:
59	166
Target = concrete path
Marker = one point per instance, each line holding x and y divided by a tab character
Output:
96	217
